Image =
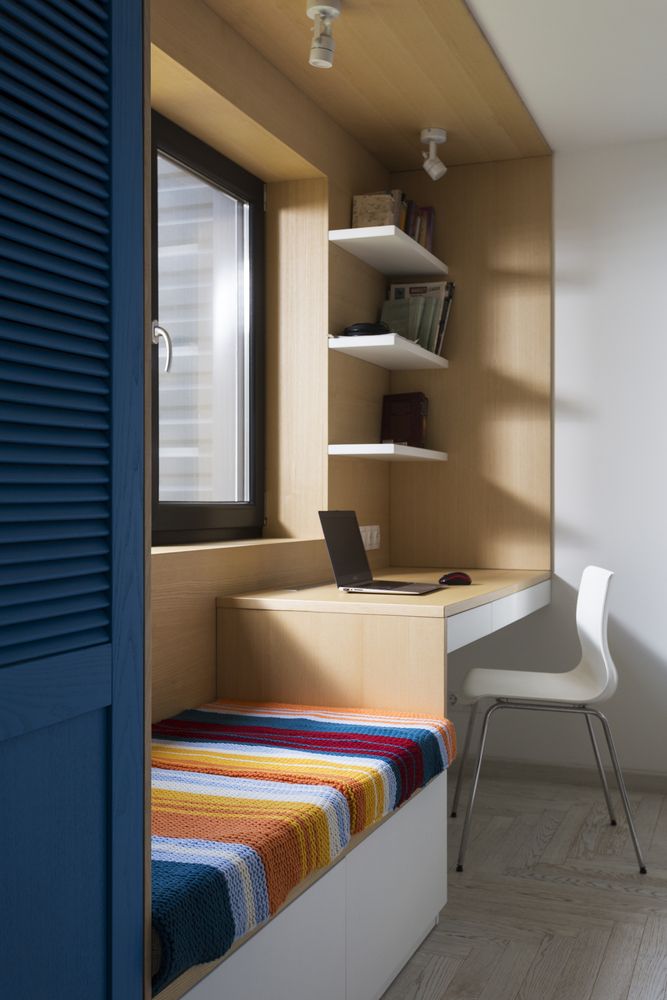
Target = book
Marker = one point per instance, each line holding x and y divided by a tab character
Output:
433	292
403	316
444	319
404	419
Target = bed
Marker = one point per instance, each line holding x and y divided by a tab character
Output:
251	799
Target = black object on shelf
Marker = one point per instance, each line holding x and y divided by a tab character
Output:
365	329
404	419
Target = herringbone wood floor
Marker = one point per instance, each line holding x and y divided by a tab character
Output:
551	905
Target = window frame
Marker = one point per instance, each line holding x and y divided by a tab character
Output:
176	522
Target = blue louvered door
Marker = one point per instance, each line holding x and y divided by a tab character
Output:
71	499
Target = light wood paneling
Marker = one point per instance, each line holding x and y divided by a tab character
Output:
184	98
355	398
185	584
490	504
399	67
296	357
192	35
368	661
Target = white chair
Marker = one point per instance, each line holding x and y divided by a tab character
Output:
593	680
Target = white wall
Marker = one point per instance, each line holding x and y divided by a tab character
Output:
610	459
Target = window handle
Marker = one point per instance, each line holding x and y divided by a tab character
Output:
157	333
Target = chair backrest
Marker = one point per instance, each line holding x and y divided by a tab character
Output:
592	614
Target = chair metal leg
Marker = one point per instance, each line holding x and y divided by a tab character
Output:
603	776
621	787
464	755
473	791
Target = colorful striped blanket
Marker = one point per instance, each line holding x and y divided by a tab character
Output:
249	799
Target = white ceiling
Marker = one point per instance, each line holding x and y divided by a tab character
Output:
591	72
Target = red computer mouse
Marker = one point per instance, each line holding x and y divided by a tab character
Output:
456	579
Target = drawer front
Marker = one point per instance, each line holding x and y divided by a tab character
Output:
511	609
396	887
299	955
468	626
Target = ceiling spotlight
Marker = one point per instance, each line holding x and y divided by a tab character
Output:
433	165
322	48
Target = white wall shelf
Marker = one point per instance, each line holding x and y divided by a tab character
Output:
389	250
387	452
388	350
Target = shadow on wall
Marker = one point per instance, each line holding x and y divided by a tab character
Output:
547	640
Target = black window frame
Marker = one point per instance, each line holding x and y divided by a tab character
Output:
177	523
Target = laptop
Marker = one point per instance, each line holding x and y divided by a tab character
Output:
349	560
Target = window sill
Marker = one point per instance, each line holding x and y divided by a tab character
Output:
160	550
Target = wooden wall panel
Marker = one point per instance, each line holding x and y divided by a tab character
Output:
185	584
398	67
366	661
490	505
196	38
296	357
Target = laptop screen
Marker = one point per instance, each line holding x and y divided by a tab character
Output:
346	548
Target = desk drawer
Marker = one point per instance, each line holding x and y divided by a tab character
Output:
468	626
511	609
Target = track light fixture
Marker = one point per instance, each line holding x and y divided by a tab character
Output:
433	165
323	45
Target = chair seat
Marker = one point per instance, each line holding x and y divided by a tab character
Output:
574	687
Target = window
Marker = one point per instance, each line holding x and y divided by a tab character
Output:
208	257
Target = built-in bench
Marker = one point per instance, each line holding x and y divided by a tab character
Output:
255	804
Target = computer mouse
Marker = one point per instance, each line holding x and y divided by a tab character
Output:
456	579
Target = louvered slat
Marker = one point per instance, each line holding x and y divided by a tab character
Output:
64	437
30	595
66	304
41	142
57	106
42	264
54	328
34	41
70	26
67	643
62	606
38	24
48	551
56	284
47	416
38	181
28	196
88	102
30	158
70	252
62	571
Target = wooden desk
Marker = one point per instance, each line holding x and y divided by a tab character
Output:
317	645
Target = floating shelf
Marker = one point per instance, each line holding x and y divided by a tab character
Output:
387	452
388	350
389	250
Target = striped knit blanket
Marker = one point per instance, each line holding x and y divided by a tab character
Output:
248	799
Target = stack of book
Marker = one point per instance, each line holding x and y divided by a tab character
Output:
420	312
391	208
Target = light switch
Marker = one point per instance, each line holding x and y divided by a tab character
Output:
370	534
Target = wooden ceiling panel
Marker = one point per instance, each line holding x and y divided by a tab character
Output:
400	65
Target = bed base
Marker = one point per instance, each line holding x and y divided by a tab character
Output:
350	933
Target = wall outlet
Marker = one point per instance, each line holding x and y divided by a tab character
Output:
370	534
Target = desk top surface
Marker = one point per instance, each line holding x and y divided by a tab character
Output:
487	585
